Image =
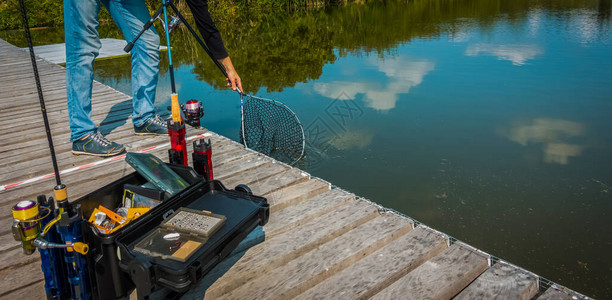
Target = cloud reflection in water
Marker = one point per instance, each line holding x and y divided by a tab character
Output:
518	54
402	74
553	134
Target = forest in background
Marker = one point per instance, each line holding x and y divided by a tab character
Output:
49	13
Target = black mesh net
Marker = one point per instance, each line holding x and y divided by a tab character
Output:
271	128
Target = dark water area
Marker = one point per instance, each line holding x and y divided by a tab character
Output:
488	120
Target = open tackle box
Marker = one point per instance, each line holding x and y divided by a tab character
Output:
159	249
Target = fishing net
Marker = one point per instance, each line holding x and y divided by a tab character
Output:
270	127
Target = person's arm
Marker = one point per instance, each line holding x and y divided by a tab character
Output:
233	79
212	38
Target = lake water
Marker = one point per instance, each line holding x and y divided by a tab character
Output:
488	120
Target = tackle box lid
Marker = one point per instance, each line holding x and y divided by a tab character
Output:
241	210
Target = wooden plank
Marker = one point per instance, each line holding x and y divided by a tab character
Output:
62	130
25	93
225	144
123	134
291	217
120	120
20	276
102	114
441	277
229	156
273	183
101	101
39	166
501	281
288	219
319	264
56	53
381	268
293	194
556	292
37	158
24	80
7	242
256	236
28	167
18	77
15	257
283	248
254	175
57	106
245	162
55	95
34	290
21	77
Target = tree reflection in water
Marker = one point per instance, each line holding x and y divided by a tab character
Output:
277	49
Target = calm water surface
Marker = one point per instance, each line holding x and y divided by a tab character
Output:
488	120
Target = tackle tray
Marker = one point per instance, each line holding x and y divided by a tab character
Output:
115	268
242	211
181	234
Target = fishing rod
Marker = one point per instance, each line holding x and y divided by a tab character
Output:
54	228
41	99
176	127
217	63
255	112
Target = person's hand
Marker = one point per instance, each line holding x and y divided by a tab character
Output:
233	79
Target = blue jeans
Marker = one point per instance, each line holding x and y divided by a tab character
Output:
83	45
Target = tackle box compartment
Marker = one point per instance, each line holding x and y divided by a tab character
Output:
115	268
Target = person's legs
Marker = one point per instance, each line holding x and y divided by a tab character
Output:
82	46
130	16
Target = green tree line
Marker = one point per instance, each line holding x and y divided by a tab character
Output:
277	48
51	13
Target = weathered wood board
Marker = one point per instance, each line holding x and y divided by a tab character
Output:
381	268
283	248
289	218
330	258
560	293
441	277
501	281
56	53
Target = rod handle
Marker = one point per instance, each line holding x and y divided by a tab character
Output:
128	47
80	248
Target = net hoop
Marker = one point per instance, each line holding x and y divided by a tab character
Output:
285	118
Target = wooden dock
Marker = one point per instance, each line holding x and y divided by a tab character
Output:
56	53
320	243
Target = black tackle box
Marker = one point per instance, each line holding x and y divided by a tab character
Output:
115	267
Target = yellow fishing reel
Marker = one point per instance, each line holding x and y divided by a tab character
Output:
27	230
26	224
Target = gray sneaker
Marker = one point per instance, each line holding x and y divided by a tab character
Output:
97	145
152	126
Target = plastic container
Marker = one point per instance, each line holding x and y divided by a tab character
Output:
115	268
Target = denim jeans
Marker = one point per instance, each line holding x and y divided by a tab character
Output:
83	45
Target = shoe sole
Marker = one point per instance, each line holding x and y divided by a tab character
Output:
95	154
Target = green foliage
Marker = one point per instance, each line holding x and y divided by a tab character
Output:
40	13
47	13
50	12
278	48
